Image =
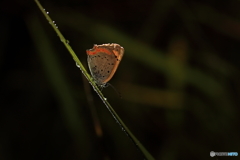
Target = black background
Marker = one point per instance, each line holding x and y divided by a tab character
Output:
179	79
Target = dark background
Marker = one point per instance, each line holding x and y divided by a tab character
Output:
179	79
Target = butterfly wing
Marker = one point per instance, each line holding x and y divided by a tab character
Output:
103	61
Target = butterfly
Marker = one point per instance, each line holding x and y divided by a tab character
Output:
103	61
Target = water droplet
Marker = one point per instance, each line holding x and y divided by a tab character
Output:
67	41
53	21
77	65
47	12
44	9
105	98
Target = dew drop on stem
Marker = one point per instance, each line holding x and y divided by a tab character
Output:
77	65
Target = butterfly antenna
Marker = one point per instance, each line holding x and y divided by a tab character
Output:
120	96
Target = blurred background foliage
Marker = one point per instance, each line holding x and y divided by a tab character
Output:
179	79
